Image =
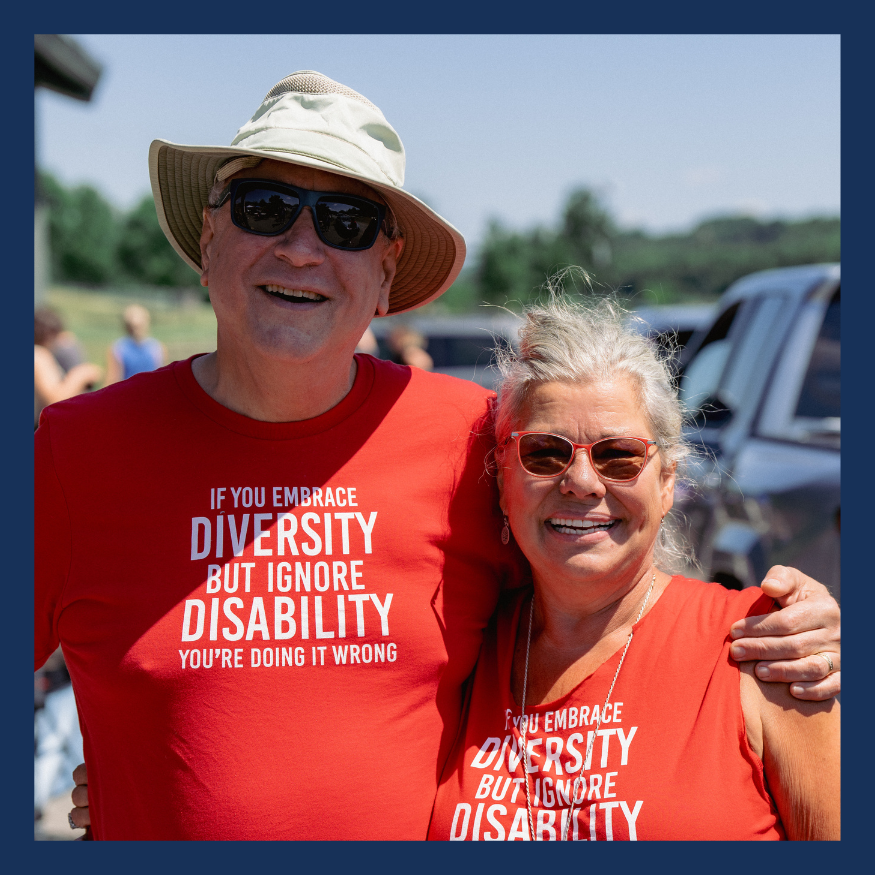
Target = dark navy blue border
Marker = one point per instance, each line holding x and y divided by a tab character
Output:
684	17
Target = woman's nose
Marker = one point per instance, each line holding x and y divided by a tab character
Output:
580	478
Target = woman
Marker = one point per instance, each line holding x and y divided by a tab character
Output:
572	730
51	380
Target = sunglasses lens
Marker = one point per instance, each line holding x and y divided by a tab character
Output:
348	222
619	458
544	455
263	211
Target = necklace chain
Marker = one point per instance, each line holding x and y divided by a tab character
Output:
524	721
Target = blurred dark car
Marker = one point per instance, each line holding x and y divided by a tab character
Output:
676	321
763	380
460	346
672	326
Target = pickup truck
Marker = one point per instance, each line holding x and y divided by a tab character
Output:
761	383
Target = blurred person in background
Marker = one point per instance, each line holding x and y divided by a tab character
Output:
65	347
58	370
57	737
408	347
137	351
368	344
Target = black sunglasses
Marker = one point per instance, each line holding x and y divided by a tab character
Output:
268	208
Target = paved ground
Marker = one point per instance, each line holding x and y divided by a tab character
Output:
53	826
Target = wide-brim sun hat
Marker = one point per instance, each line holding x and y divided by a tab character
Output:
312	121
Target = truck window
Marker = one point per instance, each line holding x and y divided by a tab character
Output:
803	403
821	390
702	374
726	375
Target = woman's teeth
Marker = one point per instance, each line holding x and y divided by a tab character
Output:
576	527
293	294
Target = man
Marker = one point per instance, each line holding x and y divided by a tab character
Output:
271	570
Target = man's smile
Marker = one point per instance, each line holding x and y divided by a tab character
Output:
295	295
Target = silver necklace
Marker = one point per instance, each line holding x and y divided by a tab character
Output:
524	720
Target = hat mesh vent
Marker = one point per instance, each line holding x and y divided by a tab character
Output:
310	82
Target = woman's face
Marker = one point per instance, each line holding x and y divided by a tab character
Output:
627	515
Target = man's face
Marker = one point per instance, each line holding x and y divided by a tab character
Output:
256	283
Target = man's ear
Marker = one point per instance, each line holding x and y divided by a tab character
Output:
389	264
206	237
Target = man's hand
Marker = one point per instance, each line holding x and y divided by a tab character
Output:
80	815
801	643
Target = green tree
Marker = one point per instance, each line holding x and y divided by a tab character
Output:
514	265
697	265
145	254
588	230
83	233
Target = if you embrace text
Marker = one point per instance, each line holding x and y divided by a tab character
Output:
280	566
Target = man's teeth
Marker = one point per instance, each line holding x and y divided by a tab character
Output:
294	294
576	526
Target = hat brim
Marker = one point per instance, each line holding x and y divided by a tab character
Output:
182	177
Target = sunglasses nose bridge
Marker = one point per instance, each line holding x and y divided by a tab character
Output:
580	471
301	241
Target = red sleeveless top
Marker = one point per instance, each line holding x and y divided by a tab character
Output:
670	760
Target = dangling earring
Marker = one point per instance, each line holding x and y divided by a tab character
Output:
505	533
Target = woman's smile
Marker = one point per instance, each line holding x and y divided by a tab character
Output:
589	529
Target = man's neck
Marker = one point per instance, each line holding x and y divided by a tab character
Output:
271	390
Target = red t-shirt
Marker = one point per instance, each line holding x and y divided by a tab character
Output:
670	760
267	625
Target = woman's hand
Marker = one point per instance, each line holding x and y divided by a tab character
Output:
799	644
80	814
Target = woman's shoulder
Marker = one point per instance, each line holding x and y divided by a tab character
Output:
715	600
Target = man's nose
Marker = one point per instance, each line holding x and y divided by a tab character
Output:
580	478
300	244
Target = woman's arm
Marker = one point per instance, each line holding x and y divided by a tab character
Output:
52	384
798	743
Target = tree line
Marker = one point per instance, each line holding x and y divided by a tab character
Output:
94	243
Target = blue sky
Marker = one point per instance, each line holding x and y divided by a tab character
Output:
669	129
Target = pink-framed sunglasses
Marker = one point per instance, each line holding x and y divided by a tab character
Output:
618	459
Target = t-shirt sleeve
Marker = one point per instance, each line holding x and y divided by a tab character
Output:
761	606
52	545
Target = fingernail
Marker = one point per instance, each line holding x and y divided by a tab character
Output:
736	633
738	652
762	672
796	690
70	821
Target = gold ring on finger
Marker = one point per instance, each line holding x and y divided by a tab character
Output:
828	659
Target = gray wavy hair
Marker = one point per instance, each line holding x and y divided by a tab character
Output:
588	340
